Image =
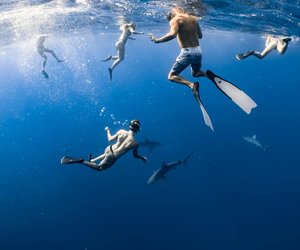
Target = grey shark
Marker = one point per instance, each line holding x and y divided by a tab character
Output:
150	144
254	141
160	174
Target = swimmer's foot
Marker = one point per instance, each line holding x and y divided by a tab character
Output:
195	91
110	73
107	59
70	160
44	73
244	55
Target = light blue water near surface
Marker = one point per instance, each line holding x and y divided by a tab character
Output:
231	195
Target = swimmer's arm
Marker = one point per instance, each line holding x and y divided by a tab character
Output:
136	155
135	32
199	32
167	37
109	136
138	32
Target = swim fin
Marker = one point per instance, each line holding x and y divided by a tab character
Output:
244	55
233	92
110	73
203	110
70	160
45	74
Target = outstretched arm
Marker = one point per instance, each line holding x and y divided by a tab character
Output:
135	32
138	32
136	155
167	37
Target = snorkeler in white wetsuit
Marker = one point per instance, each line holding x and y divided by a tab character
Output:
272	43
127	29
42	50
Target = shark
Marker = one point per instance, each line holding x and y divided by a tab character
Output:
255	142
150	144
160	174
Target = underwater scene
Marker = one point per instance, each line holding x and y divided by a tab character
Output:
93	82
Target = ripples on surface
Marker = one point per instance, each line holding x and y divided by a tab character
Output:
24	19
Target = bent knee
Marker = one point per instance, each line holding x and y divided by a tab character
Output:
171	76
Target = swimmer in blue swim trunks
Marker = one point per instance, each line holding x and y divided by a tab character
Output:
187	30
125	141
185	27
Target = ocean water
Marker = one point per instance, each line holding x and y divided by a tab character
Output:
230	195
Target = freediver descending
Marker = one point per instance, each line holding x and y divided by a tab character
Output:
125	141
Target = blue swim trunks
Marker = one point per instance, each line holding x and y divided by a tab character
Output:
188	56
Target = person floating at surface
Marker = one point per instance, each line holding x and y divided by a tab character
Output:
125	141
272	43
127	29
185	27
42	50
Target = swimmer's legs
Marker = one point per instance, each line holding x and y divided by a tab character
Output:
179	79
118	59
53	54
92	165
99	158
44	62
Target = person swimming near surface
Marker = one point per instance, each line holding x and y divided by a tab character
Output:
42	50
272	43
127	29
125	141
186	28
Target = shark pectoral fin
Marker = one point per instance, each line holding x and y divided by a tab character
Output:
254	136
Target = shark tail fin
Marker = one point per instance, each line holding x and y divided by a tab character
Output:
186	158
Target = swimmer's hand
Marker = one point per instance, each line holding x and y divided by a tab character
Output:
106	128
152	38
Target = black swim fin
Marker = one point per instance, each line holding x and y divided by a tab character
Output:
233	92
244	55
110	73
45	74
70	160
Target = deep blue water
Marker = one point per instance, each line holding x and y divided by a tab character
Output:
231	195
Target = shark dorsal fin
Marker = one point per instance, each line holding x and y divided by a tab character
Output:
254	136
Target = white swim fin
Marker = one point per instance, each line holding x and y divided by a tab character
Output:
233	92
